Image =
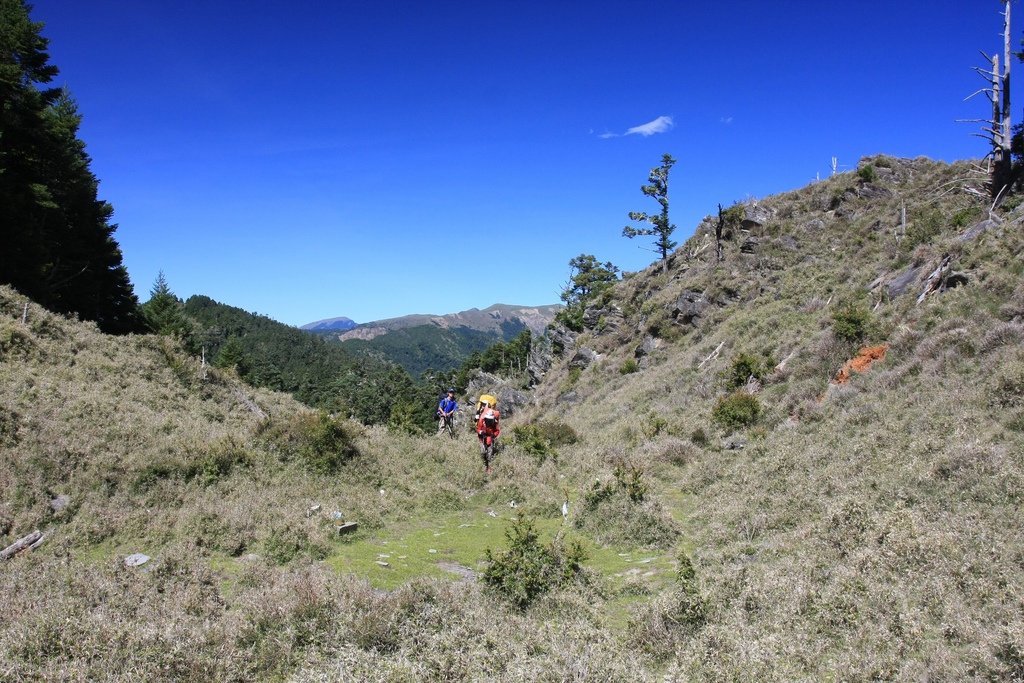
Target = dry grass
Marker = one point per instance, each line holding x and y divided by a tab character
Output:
870	530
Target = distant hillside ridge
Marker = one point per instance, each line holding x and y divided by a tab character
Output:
492	319
341	324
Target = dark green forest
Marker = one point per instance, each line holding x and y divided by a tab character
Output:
58	241
424	348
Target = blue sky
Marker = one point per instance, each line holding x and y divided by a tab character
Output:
313	159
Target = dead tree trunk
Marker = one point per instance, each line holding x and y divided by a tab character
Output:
999	132
718	233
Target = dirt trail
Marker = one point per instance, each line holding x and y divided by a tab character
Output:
861	362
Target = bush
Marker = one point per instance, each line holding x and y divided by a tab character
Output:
621	512
738	409
317	441
540	438
527	569
851	322
743	367
629	367
867	173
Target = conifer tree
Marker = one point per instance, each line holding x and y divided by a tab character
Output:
660	225
164	312
57	235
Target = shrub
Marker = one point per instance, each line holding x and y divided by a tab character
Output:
851	322
738	409
743	367
621	512
527	569
629	367
317	441
867	173
540	438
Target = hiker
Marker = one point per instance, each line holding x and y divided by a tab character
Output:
488	429
446	410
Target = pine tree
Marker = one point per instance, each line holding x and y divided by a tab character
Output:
660	225
57	234
164	313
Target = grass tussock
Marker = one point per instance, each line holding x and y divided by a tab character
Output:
738	514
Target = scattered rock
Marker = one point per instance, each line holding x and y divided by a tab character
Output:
789	243
750	245
382	563
648	345
60	502
568	397
734	444
347	528
136	560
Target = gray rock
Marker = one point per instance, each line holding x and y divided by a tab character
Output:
977	229
816	224
789	243
755	216
734	444
750	245
869	191
562	339
136	560
583	358
60	502
689	307
899	285
568	397
648	345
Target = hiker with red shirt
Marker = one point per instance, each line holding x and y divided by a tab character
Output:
488	428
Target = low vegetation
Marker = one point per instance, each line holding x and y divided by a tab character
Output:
726	509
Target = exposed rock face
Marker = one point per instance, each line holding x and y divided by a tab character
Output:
902	282
689	307
562	339
539	361
511	398
603	320
755	216
583	358
977	229
648	345
869	191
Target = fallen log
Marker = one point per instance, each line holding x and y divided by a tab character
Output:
33	540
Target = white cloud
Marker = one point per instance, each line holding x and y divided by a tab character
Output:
605	136
658	125
727	120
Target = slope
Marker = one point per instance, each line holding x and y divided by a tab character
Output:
869	529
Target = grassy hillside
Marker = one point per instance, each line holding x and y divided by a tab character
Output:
741	514
865	530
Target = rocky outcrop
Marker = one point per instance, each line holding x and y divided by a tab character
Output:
689	307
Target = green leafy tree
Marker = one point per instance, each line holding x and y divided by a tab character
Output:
587	280
57	235
660	227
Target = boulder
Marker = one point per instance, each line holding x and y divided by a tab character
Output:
583	358
899	284
869	191
977	229
689	307
648	345
750	245
755	216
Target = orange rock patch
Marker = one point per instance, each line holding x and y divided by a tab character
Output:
861	362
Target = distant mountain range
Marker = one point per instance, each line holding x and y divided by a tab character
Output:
440	342
330	325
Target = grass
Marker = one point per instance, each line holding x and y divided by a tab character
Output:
856	532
